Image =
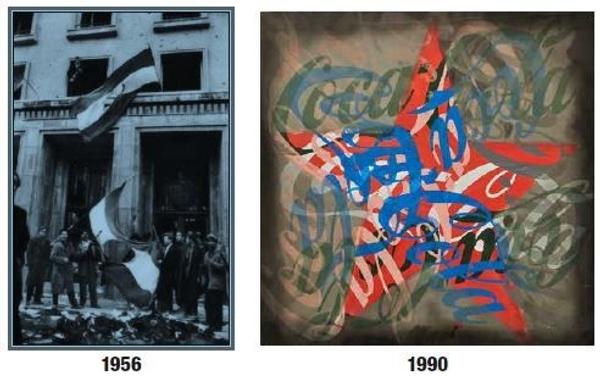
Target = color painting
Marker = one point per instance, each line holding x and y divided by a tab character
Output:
427	178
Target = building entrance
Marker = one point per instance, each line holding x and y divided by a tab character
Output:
180	180
78	177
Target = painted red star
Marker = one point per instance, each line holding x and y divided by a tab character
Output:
469	173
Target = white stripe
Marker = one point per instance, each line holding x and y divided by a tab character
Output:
136	80
131	83
472	176
144	271
99	224
92	113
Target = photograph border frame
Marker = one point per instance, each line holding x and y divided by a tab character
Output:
230	10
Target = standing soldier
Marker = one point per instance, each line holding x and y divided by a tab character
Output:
62	271
87	256
38	259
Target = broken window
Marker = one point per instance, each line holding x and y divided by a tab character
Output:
18	80
93	19
181	71
167	16
22	23
85	75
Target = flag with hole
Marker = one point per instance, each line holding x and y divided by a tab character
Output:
99	110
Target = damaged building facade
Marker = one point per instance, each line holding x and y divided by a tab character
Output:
171	147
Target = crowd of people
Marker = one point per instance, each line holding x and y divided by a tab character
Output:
189	265
65	261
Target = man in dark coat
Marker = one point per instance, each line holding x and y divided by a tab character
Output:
20	240
199	240
38	259
62	271
167	279
217	265
179	249
190	277
88	256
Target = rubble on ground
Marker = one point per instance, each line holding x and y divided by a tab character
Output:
111	327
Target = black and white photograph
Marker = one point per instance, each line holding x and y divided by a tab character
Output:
121	155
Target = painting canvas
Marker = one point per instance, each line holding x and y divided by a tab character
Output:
427	178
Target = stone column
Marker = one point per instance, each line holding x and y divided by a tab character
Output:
58	195
29	167
224	187
126	166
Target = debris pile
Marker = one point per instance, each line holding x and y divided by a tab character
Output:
115	327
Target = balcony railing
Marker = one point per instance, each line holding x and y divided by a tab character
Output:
145	104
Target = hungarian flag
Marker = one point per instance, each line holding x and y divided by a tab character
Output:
136	278
103	218
93	116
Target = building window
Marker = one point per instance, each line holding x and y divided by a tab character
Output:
181	21
85	75
93	25
22	23
168	16
18	81
181	71
95	19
